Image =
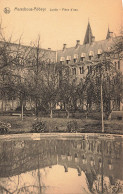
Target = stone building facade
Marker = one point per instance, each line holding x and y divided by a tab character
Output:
82	58
21	61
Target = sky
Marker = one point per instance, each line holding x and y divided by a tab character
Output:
59	21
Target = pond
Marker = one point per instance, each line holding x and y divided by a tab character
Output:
50	165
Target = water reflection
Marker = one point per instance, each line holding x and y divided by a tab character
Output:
82	165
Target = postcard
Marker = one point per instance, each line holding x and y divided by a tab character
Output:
61	96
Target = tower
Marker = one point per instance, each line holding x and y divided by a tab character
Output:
109	34
89	38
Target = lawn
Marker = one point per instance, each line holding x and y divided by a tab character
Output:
60	124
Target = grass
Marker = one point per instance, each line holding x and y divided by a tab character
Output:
60	124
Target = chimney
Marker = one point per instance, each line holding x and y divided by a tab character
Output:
92	39
64	46
77	43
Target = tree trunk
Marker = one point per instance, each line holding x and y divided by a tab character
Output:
22	110
102	114
86	112
12	103
111	109
36	108
51	111
68	114
2	104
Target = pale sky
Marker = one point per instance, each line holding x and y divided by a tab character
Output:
58	27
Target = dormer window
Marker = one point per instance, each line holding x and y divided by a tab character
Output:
91	54
62	59
90	57
75	58
99	53
82	56
68	59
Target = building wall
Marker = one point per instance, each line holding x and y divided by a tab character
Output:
80	59
21	62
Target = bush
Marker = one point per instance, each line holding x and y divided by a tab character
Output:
4	127
72	126
39	127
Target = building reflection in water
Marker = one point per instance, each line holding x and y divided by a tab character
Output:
80	165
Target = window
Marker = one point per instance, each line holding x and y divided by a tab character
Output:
74	71
81	70
118	64
91	54
62	59
67	61
90	57
75	60
115	63
99	55
82	58
61	62
88	69
99	52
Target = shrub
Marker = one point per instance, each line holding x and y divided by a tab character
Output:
39	127
72	126
4	127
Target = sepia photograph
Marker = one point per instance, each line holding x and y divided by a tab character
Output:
61	96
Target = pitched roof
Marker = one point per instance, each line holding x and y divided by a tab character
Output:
95	47
88	35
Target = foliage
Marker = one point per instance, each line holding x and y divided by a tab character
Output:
39	127
4	127
72	126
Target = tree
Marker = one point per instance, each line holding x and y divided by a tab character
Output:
104	74
68	90
50	86
44	79
14	61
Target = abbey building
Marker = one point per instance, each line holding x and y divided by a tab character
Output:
81	57
81	60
